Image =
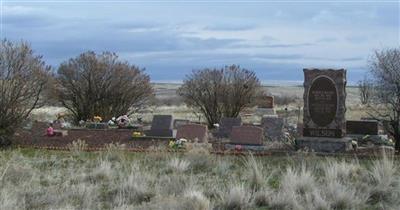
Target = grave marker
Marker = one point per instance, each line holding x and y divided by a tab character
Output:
324	103
192	132
161	126
225	126
246	135
324	122
363	127
273	127
179	122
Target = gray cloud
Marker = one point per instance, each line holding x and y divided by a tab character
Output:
230	27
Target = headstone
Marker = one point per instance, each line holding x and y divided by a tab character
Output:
161	122
273	127
161	126
363	127
247	135
324	103
179	122
192	132
324	122
225	126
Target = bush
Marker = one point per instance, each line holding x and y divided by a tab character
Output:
23	78
91	85
220	93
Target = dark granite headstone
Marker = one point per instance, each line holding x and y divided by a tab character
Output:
273	127
161	122
324	122
363	127
225	126
179	122
192	132
161	126
247	135
324	103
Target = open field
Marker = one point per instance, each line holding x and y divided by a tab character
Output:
114	179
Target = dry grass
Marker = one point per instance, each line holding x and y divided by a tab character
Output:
39	179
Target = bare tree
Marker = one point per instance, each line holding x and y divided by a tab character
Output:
102	85
23	77
365	88
385	67
220	92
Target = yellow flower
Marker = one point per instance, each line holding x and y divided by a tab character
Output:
171	143
137	134
97	118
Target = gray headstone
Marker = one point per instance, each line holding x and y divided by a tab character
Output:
192	132
225	126
161	126
179	122
246	135
324	103
161	122
273	128
362	127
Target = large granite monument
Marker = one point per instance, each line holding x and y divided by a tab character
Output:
324	122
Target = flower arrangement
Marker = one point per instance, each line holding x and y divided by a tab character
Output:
178	144
97	119
137	134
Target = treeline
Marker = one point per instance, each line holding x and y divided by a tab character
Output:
103	85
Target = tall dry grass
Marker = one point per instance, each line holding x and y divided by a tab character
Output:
117	179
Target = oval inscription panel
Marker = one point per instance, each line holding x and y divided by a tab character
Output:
322	101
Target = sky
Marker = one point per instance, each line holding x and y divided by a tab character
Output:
171	38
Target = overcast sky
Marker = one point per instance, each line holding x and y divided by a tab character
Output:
170	38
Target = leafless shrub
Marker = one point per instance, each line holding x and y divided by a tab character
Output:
92	84
23	78
365	87
220	92
385	68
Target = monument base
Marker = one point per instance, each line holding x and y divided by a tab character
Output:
322	144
